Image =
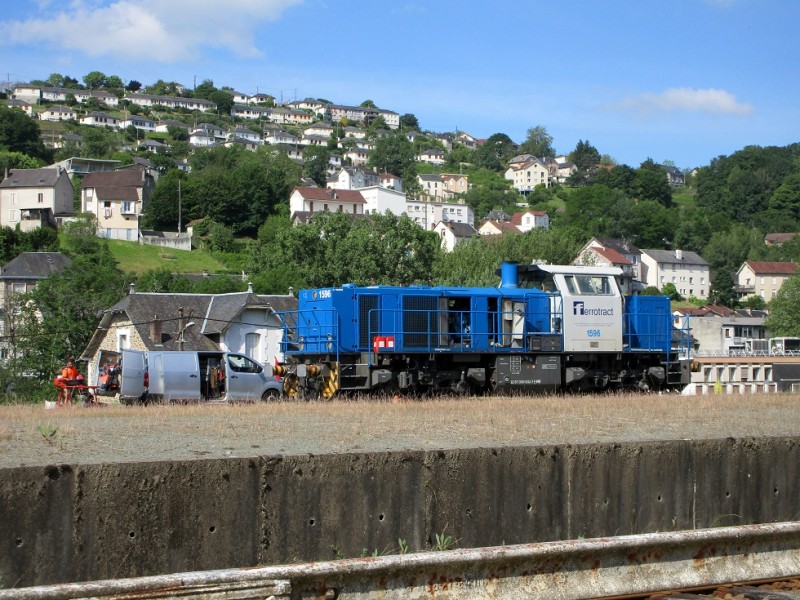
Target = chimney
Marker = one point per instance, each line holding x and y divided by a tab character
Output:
250	288
155	330
132	290
679	254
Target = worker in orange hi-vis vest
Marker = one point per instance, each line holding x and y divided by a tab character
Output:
67	377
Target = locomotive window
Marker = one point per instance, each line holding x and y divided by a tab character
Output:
589	285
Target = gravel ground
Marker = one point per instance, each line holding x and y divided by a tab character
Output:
32	435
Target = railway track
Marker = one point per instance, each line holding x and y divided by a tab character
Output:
781	589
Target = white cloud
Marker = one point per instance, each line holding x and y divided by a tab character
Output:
710	101
149	30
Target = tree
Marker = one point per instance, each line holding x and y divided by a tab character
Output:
784	310
651	183
721	291
495	152
754	303
394	154
223	100
315	164
98	142
671	292
55	80
114	81
20	133
133	86
368	104
17	160
538	143
489	190
95	80
205	89
408	122
60	314
162	207
586	158
787	196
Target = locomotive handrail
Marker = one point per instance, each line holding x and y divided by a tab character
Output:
466	338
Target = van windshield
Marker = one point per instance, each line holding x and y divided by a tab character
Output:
242	364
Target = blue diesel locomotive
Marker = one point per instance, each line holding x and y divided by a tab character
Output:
546	328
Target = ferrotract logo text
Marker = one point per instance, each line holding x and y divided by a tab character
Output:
579	308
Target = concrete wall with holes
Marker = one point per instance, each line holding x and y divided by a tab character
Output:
88	522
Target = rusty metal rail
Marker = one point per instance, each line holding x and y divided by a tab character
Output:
594	568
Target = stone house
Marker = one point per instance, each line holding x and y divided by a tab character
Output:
242	322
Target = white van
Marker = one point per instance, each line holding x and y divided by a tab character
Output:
161	376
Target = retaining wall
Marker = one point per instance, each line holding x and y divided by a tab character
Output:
65	523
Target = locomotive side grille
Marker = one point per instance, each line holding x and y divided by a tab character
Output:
367	321
420	321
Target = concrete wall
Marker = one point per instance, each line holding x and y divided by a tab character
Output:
72	523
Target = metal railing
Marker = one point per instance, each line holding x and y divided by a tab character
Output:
562	570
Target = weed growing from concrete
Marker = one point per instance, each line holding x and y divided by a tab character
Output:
444	542
48	431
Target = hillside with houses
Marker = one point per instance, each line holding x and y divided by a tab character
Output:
313	193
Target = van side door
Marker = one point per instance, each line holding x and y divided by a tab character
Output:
244	377
133	386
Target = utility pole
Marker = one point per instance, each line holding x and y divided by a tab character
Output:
180	328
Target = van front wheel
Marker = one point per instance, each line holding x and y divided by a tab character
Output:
271	395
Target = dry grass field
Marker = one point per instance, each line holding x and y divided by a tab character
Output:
31	435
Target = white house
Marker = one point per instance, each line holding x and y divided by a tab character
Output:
353	178
33	198
527	175
57	113
453	234
688	271
357	156
139	122
433	156
379	200
245	134
310	200
427	214
277	136
531	219
99	119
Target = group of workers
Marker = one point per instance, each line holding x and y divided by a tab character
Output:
66	381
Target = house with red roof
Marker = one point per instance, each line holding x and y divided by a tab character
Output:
776	239
530	219
762	278
598	255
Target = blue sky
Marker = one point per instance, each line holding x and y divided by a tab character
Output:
679	80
